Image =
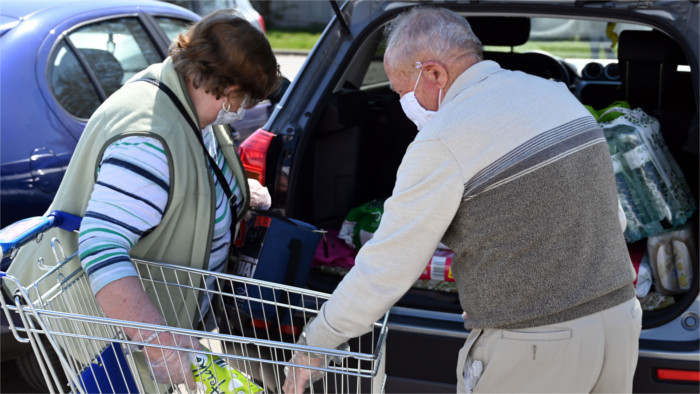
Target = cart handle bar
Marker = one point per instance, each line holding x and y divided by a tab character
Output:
19	233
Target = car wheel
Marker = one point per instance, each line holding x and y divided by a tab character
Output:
30	370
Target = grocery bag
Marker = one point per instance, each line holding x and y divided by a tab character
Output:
273	248
361	223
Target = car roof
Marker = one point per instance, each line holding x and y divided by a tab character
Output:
14	12
23	8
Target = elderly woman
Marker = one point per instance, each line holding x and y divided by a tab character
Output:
153	182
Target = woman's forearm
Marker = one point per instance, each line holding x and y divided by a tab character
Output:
125	299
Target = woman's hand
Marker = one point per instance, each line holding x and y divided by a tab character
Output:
125	299
259	195
170	366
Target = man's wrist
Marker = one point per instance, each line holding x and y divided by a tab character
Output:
320	334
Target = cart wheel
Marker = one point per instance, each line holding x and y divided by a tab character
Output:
30	371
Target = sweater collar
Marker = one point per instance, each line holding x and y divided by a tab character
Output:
472	76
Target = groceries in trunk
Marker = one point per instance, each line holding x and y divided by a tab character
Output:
657	203
655	198
358	228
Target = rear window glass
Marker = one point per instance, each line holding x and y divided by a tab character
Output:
172	27
112	50
71	85
576	41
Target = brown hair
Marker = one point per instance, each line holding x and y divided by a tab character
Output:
224	49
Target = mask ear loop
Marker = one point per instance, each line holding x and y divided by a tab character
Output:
417	79
418	66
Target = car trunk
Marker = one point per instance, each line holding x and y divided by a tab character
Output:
353	149
357	149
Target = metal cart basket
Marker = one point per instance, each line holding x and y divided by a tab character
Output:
252	325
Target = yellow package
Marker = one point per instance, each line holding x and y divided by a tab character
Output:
213	375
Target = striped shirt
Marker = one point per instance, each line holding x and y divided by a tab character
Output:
129	200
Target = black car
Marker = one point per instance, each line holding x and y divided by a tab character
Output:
336	139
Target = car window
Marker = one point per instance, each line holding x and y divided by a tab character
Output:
172	27
375	71
125	39
113	50
71	85
576	41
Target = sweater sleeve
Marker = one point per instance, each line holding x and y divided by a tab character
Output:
129	198
426	196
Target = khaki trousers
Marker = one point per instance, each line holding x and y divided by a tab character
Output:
595	353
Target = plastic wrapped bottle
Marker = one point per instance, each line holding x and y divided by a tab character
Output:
646	176
664	194
642	218
627	197
678	194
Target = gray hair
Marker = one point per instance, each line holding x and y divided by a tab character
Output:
436	31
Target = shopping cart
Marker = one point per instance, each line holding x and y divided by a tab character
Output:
80	349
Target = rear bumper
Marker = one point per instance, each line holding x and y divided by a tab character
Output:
646	380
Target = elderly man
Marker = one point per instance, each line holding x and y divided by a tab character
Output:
512	173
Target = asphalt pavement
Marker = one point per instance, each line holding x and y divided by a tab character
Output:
290	62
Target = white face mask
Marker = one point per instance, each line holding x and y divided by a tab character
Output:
412	108
225	116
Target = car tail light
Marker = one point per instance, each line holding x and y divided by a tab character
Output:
262	23
253	153
259	323
679	375
290	329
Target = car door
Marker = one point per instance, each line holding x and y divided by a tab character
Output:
81	61
96	58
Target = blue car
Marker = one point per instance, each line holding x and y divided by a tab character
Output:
60	61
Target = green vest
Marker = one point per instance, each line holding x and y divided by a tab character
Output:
184	235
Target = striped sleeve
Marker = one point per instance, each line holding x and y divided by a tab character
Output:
224	214
128	200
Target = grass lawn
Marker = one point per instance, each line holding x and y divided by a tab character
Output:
298	40
305	40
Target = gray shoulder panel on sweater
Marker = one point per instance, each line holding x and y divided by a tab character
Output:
541	150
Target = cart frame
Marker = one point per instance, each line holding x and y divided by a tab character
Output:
252	324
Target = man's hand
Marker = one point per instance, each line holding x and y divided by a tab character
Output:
299	378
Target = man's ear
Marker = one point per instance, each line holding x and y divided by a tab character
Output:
436	72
